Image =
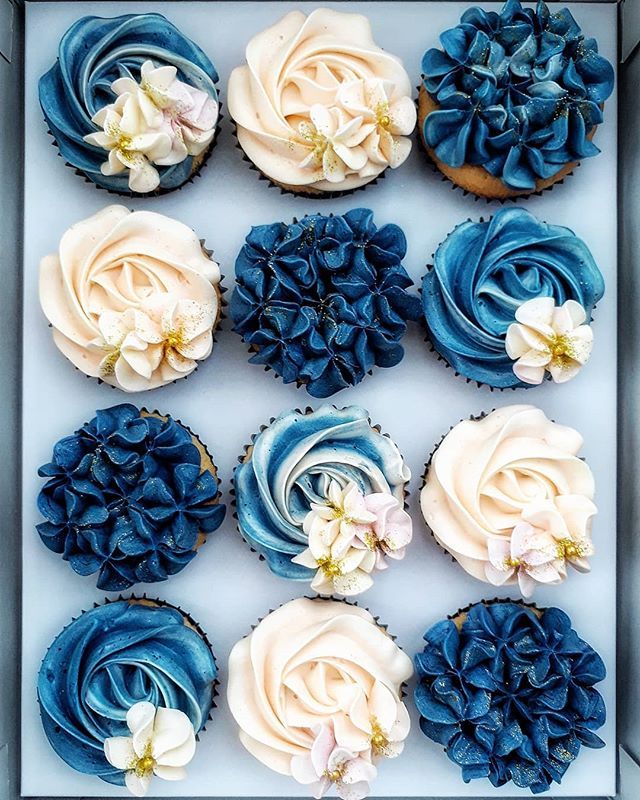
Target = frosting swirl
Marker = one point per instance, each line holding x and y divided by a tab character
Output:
94	54
291	465
323	300
109	659
490	475
128	496
518	93
132	298
318	105
484	271
312	666
509	691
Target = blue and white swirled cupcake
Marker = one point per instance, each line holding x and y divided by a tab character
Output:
509	690
508	302
324	300
124	691
131	103
320	496
510	102
131	495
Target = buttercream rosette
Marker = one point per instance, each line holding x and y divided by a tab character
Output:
131	103
124	690
130	495
509	690
320	495
133	298
324	300
508	496
319	107
316	691
510	102
508	302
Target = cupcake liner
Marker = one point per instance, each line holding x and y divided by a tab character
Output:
195	173
479	197
432	347
246	457
462	612
309	195
154	601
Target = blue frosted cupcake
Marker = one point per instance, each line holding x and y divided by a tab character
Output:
324	300
508	302
320	496
509	691
131	103
131	496
125	689
510	102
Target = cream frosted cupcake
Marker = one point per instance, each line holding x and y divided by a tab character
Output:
133	298
319	107
316	691
508	496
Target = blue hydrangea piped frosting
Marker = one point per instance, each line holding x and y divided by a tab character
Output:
320	496
324	300
518	93
128	667
509	300
510	693
130	496
131	102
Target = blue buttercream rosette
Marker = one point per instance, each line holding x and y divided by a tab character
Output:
112	658
159	88
509	691
518	93
324	300
484	272
128	496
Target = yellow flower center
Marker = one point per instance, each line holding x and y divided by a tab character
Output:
335	775
382	115
175	338
143	766
318	141
379	742
109	363
567	548
330	567
512	563
561	350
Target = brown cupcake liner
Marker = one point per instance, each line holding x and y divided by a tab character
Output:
157	602
309	195
441	358
197	165
460	615
246	457
430	161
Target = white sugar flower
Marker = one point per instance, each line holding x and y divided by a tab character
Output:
187	114
162	743
328	764
550	338
550	535
164	333
350	535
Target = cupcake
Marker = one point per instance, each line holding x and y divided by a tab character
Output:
125	689
508	302
316	691
319	108
320	494
511	102
133	298
323	301
508	496
131	103
509	691
131	495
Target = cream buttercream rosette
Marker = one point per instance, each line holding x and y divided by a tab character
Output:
316	690
132	297
319	107
509	498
